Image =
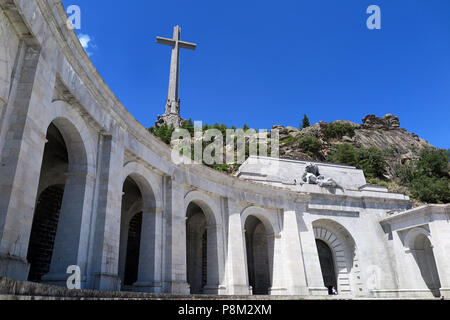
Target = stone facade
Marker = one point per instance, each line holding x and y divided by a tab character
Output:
225	235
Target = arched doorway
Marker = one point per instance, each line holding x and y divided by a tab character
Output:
338	256
55	236
55	163
131	227
258	255
326	265
422	251
202	264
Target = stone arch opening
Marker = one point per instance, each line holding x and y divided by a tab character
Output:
138	235
259	255
202	264
327	265
56	226
342	257
131	228
422	251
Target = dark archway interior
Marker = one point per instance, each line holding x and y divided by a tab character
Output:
257	256
46	216
132	194
424	256
133	246
327	265
196	248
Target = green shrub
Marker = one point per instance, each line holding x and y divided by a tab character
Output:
427	179
383	184
370	160
310	145
430	189
344	154
164	132
337	130
289	140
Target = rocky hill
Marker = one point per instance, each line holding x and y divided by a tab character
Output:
385	134
388	154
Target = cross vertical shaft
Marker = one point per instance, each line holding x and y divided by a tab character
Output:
172	110
174	66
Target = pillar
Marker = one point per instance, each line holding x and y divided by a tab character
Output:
440	234
276	264
105	244
150	253
175	278
236	264
310	256
72	236
214	265
291	255
20	160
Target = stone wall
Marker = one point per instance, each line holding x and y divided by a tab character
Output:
57	85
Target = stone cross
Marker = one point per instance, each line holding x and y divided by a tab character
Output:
173	104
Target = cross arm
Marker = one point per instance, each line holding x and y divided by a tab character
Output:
187	45
167	42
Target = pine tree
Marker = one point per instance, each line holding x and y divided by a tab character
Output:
305	122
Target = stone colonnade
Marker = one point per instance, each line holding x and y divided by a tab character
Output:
83	183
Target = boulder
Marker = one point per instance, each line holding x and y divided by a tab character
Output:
389	122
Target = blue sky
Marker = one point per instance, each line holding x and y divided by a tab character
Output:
263	63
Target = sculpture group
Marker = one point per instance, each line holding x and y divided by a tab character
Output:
313	176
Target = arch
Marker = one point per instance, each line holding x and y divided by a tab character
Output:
344	251
140	231
261	228
269	221
80	142
148	183
412	234
66	163
208	206
419	242
204	254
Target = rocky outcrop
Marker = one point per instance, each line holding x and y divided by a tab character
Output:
389	122
384	133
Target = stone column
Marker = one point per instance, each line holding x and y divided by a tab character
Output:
276	264
440	233
292	258
236	264
175	279
408	272
105	245
72	235
20	160
310	256
149	271
214	265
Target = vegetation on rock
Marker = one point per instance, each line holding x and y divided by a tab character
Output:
389	155
428	178
337	130
370	160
